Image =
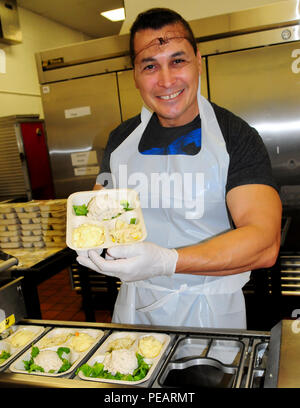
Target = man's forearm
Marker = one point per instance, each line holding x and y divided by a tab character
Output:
236	251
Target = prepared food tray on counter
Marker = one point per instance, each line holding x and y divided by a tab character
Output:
57	353
101	219
20	338
33	224
127	358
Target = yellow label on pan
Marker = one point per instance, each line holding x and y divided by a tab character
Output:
7	322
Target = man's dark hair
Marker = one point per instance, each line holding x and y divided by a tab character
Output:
155	19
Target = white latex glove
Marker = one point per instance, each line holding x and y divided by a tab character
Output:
85	253
133	262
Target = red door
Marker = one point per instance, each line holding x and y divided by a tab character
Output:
37	159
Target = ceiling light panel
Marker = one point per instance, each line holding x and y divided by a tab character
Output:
114	15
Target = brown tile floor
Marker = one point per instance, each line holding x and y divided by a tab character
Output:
59	301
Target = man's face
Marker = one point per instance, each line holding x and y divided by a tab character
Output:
167	75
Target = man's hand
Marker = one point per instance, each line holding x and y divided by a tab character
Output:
133	262
85	253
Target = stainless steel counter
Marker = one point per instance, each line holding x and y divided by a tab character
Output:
188	347
283	369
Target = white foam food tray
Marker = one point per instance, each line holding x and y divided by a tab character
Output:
10	345
105	347
53	340
119	216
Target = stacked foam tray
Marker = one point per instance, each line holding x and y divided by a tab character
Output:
10	227
53	221
34	224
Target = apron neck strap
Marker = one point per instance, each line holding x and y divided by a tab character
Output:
145	115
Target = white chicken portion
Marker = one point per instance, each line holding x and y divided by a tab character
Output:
48	360
122	361
104	207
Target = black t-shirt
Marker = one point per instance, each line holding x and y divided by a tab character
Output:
249	162
184	140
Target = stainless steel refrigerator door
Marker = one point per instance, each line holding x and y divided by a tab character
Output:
130	99
262	86
79	115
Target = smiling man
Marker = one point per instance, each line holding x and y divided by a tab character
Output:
166	72
196	260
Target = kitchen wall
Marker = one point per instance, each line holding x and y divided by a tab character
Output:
19	85
190	9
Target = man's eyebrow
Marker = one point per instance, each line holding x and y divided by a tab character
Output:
151	59
148	59
178	54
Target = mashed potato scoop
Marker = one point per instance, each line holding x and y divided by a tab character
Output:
149	347
88	236
81	342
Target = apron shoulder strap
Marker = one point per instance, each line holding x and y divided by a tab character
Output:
145	115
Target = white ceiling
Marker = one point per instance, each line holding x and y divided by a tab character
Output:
80	15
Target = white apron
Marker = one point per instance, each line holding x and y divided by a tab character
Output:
183	299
